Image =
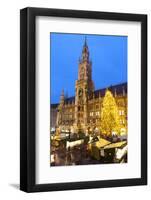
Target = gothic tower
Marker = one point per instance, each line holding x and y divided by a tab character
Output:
83	88
60	109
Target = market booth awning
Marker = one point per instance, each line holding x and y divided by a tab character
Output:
102	143
116	145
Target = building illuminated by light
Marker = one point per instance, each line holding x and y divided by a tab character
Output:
82	112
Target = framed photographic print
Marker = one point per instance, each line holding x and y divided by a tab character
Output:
83	99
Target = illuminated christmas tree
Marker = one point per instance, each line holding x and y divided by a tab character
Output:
109	115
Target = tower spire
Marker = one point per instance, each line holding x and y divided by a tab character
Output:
62	93
85	42
62	97
85	51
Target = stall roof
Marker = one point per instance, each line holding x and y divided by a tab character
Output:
116	145
101	143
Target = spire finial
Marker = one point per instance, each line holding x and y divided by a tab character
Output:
62	93
85	43
62	97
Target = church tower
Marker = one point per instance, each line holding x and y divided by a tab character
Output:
83	88
60	109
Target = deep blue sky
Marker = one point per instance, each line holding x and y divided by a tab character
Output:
108	55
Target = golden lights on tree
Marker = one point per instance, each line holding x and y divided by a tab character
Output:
109	115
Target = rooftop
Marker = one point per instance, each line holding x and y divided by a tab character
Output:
115	89
102	143
116	145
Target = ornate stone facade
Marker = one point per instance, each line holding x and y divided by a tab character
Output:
81	113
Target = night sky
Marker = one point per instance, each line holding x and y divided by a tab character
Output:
108	55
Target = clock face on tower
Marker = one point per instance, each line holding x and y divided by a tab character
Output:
80	92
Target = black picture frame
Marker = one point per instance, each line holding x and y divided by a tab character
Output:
28	98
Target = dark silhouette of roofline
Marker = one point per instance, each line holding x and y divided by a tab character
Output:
118	89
